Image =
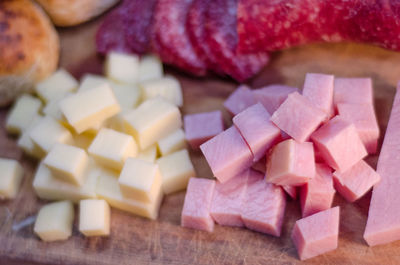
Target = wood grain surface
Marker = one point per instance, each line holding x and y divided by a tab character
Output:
135	240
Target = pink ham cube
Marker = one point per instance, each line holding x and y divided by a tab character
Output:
263	206
317	233
339	144
353	90
239	100
364	118
201	127
291	163
298	117
291	191
227	154
272	96
227	200
356	181
318	88
317	195
257	130
196	208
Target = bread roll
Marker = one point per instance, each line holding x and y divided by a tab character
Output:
73	12
29	47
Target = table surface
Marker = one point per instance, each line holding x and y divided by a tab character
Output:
136	240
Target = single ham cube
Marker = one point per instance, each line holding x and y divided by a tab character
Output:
257	130
272	96
239	100
227	200
316	234
364	118
263	206
201	127
356	181
291	191
339	144
318	88
227	154
317	195
196	208
298	117
291	163
353	90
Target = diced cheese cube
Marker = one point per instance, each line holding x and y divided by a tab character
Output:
291	163
111	148
140	180
272	96
89	81
56	85
10	178
25	142
48	187
239	100
176	170
89	107
49	132
149	154
339	144
172	142
201	127
109	190
94	217
166	87
122	67
353	90
152	120
22	113
54	221
150	67
68	163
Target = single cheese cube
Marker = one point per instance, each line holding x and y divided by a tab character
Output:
172	142
201	127
227	200
111	148
264	205
109	190
272	96
356	181
10	178
22	114
89	81
67	163
364	118
56	85
149	154
291	191
316	234
257	130
167	87
317	195
150	67
339	144
239	100
318	88
152	120
353	90
227	154
94	217
140	180
54	221
48	187
298	117
122	68
48	132
196	208
53	109
176	170
25	142
89	107
291	163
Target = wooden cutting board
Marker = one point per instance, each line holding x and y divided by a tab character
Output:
135	240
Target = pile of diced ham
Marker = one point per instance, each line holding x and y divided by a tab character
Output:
307	145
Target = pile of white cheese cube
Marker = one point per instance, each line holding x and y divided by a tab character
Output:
106	141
